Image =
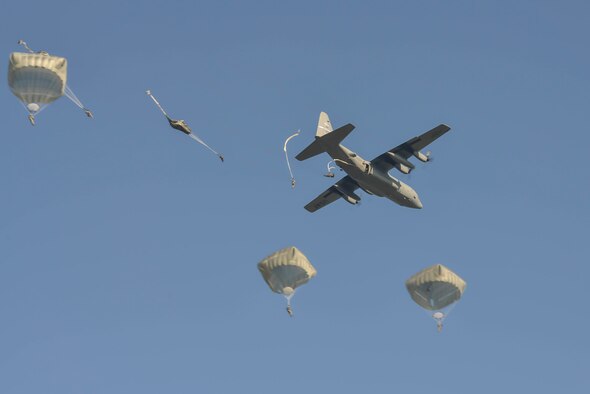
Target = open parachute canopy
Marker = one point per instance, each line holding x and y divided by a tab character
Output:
38	79
436	288
284	271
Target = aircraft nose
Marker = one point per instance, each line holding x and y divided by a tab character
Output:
417	202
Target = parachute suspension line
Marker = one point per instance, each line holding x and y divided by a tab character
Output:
149	93
287	157
24	44
200	141
72	96
289	309
441	315
32	114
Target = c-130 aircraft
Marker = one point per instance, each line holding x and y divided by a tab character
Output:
371	176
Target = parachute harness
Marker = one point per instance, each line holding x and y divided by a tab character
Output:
289	164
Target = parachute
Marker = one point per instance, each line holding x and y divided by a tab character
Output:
284	271
287	156
436	289
182	126
38	79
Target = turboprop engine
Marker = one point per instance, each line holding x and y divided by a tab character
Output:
349	196
421	156
402	164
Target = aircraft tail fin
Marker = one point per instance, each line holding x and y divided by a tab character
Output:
321	143
324	125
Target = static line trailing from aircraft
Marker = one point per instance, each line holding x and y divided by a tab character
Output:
371	176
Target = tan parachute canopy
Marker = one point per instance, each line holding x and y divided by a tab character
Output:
436	288
284	271
38	79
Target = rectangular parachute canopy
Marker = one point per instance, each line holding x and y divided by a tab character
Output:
435	287
287	268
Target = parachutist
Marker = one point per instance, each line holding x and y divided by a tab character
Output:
439	326
179	125
38	79
88	113
221	158
287	157
329	175
285	270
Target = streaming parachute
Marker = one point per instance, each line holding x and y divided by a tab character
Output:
436	289
182	126
38	79
287	156
284	271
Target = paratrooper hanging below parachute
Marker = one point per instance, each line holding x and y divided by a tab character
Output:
287	157
182	126
38	79
436	289
285	270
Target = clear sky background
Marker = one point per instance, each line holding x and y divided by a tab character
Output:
128	252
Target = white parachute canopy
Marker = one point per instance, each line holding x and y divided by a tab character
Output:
284	271
436	289
38	79
287	156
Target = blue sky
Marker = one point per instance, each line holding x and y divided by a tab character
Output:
128	252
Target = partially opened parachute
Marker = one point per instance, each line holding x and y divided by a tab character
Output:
284	271
38	79
436	289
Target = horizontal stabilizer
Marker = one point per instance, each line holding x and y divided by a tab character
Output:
322	143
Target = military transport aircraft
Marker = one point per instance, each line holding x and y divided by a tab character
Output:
371	176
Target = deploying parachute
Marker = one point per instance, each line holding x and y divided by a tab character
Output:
286	270
436	289
287	156
38	79
182	126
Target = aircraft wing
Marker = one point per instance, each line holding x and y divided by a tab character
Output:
407	149
345	185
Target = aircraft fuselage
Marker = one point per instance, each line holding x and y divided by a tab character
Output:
373	180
